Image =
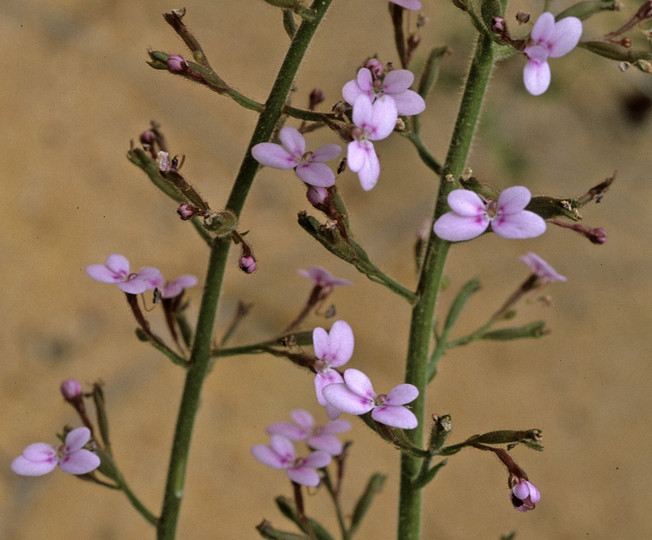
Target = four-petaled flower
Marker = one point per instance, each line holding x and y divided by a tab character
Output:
356	396
548	39
333	349
280	454
116	271
316	437
394	84
170	289
373	122
544	272
323	278
41	458
413	5
291	154
471	215
525	495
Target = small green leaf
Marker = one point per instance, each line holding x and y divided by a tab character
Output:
373	487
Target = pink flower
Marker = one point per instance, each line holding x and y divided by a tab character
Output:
323	278
394	84
373	122
280	454
291	154
525	496
548	39
333	349
541	268
356	396
413	5
316	437
117	271
41	458
471	215
170	289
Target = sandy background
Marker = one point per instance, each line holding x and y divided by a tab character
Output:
75	89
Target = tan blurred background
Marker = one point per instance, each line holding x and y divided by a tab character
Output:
75	89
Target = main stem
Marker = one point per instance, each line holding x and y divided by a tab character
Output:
421	328
201	352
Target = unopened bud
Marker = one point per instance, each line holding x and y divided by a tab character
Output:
317	195
498	25
597	235
247	264
375	66
71	389
147	137
187	211
177	64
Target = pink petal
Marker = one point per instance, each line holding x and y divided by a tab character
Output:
397	80
536	77
524	224
283	447
317	459
402	394
333	413
174	288
362	111
351	91
358	382
303	419
292	432
327	443
384	116
456	228
408	4
541	268
370	171
292	141
274	155
357	152
79	462
326	152
344	400
466	203
335	426
267	456
399	417
513	199
150	275
118	264
99	272
76	439
323	379
316	174
543	28
304	476
565	36
37	459
341	343
133	286
409	103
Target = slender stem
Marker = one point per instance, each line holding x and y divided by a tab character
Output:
423	312
201	351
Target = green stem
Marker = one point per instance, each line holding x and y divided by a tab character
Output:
423	312
201	351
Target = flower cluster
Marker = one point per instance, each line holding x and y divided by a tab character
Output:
471	215
40	458
353	392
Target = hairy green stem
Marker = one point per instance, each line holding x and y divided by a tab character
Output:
421	328
201	351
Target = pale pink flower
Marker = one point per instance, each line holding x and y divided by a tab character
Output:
472	215
525	495
40	458
548	39
545	272
317	437
356	396
333	349
373	122
291	154
116	271
394	84
323	278
280	454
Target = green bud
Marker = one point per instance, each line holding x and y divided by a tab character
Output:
507	436
221	223
440	431
584	10
615	51
159	59
533	330
548	207
102	418
431	70
484	190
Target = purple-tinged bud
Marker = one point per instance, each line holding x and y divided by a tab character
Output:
317	195
317	96
71	389
525	495
163	162
177	64
247	264
147	137
187	211
597	235
498	25
375	66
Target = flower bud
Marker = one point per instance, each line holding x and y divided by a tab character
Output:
147	137
597	235
176	64
317	195
375	66
525	495
247	264
187	212
71	389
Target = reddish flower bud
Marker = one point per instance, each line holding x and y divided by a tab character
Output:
71	389
147	137
597	236
317	195
247	264
177	64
